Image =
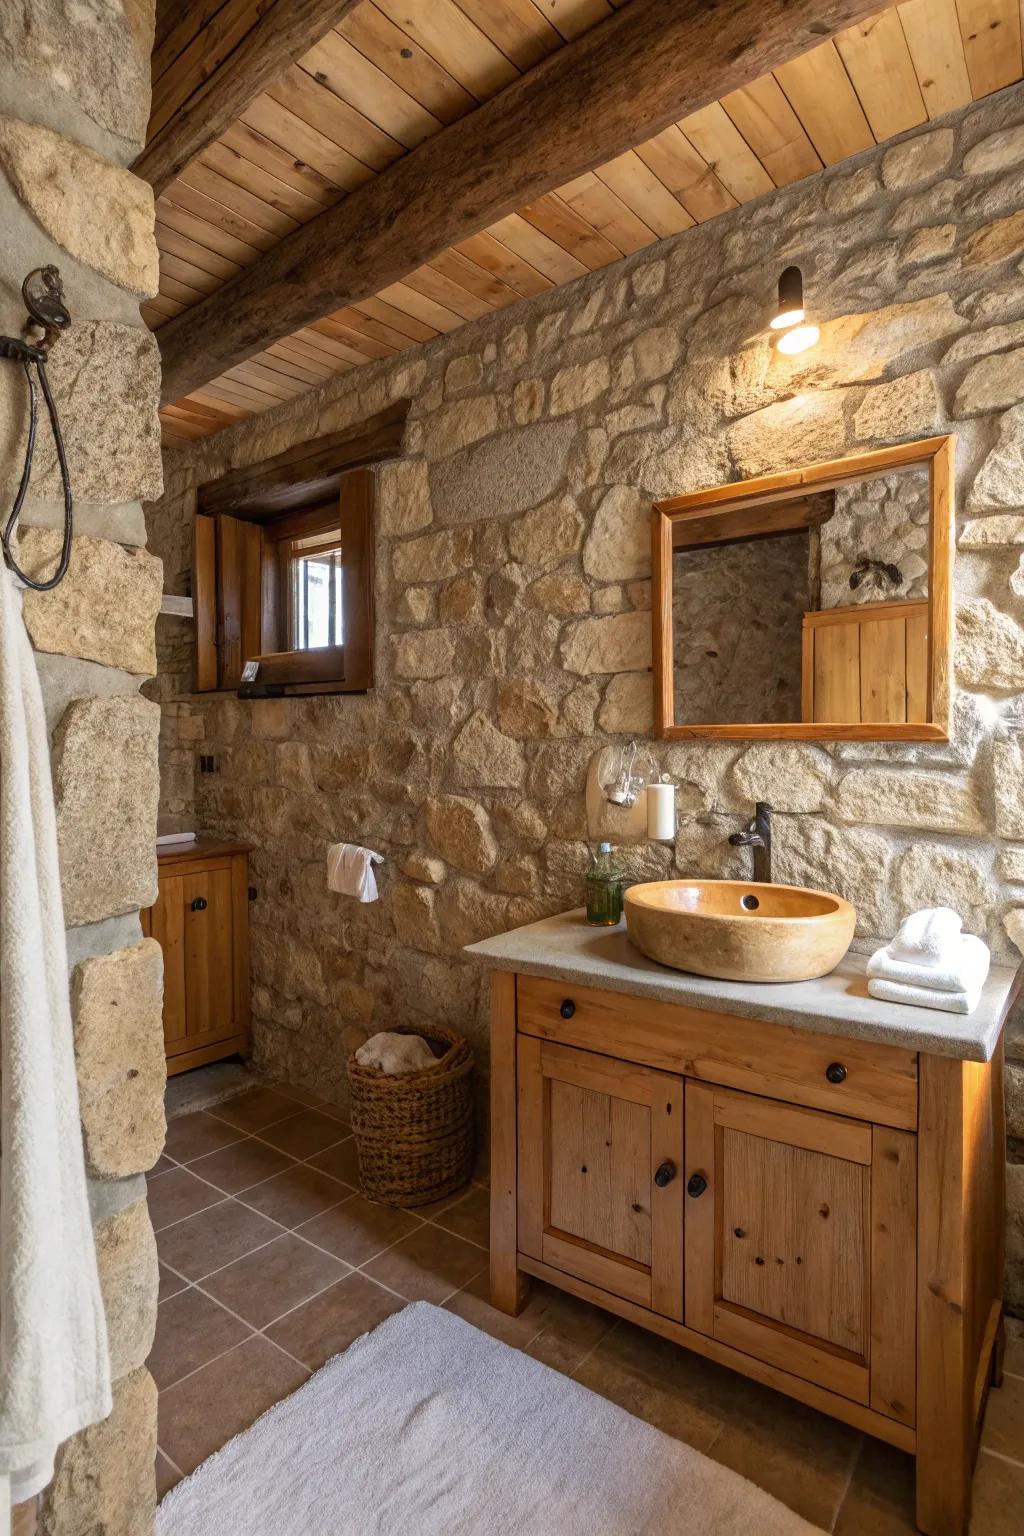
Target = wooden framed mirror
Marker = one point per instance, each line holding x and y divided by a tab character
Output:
812	604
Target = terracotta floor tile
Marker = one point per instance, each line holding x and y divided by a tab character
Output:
469	1217
617	1370
572	1329
327	1324
473	1305
265	1284
166	1475
305	1134
998	1497
255	1110
176	1194
1003	1430
341	1162
296	1195
310	1100
214	1238
170	1283
796	1454
191	1136
880	1499
191	1330
428	1265
198	1415
358	1230
239	1167
162	1164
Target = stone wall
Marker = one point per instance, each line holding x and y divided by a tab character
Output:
74	102
513	631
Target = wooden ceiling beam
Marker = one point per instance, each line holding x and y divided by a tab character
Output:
285	31
648	65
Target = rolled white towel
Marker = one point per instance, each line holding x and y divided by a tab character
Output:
926	935
392	1053
925	997
962	967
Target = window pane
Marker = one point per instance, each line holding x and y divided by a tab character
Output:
317	595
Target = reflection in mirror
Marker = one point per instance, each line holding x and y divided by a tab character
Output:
805	610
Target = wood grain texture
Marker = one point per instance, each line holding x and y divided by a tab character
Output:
894	1273
647	65
508	1290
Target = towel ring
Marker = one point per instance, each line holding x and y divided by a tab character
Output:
44	301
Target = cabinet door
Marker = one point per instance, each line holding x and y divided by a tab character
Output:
600	1159
165	922
209	968
790	1214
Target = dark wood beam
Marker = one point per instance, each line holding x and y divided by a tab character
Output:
651	63
286	30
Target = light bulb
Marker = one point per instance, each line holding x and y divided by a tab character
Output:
786	318
798	339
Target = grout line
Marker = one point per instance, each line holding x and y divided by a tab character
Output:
169	1386
179	1219
1011	1461
170	1460
294	1358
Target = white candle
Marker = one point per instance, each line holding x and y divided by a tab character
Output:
661	812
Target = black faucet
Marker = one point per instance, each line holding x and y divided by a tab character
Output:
759	837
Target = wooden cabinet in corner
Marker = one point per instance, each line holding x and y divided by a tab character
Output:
201	921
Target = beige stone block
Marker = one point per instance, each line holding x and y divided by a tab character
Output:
417	605
1013	922
106	381
412	910
503	476
105	1483
463	372
403	497
516	877
119	1051
106	789
460	831
618	546
579	707
563	591
528	401
482	757
907	407
927	245
991	384
580	385
996	338
63	184
105	608
1000	481
789	777
932	875
790	433
997	152
423	653
458	425
891	798
423	867
1011	864
998	241
526	707
628	705
547	534
461	601
917	160
989	647
130	1283
618	643
433	556
860	347
993	532
468	912
853	862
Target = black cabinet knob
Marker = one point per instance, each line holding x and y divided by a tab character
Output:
665	1174
696	1185
568	1008
836	1072
199	905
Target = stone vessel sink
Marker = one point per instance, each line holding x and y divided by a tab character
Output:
740	931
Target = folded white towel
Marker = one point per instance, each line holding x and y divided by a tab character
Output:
963	967
350	870
926	934
392	1053
925	997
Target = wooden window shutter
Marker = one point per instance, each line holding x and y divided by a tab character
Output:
240	583
204	602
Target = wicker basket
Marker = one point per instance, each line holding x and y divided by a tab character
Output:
414	1131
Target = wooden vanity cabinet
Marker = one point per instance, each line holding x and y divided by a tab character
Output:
822	1214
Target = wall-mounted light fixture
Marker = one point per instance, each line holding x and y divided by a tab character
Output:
789	315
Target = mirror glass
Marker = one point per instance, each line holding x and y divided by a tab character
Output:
809	609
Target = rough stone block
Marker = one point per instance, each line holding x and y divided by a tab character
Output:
1000	481
989	647
791	432
423	653
907	407
890	798
403	497
105	1480
577	386
527	707
993	532
547	534
130	1283
483	757
618	545
931	875
63	184
106	789
789	777
917	159
458	425
504	476
995	242
854	862
412	909
433	556
992	384
460	831
619	643
119	1050
628	705
105	608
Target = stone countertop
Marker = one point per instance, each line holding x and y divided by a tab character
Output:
564	948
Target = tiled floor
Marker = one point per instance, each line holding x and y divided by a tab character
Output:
271	1262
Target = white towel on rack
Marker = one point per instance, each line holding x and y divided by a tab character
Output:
350	870
54	1361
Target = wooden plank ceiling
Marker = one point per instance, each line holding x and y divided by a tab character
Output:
394	72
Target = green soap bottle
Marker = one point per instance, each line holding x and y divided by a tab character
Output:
604	888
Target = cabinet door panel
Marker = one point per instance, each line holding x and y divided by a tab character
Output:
209	976
167	926
593	1132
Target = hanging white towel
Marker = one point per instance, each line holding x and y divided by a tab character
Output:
54	1361
924	997
350	870
963	967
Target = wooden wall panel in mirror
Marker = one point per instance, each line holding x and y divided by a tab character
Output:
813	604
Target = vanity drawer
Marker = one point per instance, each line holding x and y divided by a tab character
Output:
876	1082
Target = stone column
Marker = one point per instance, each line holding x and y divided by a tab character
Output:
74	103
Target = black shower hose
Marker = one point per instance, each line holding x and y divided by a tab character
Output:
35	357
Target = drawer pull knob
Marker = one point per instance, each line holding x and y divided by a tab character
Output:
835	1072
696	1185
568	1008
665	1174
199	905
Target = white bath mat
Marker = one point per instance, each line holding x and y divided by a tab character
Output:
428	1427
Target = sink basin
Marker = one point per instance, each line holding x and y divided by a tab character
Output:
740	931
